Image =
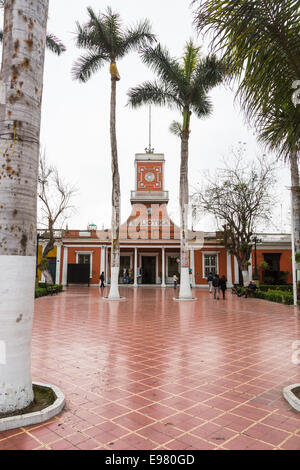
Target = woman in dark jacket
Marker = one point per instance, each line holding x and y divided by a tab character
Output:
223	286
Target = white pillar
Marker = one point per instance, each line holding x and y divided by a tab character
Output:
236	271
163	268
65	267
250	268
102	260
135	268
107	267
193	266
229	272
58	259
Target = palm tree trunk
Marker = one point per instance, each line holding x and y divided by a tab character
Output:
295	188
115	222
185	289
21	81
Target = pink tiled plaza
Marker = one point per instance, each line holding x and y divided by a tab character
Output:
152	373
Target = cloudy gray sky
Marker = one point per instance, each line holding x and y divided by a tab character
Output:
75	117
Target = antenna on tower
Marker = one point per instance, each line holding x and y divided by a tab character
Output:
150	149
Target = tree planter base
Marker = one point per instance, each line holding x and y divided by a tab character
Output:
178	299
37	417
114	298
291	397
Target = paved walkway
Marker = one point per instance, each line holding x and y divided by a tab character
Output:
151	373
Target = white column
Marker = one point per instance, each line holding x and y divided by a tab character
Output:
42	275
250	268
163	268
193	266
236	271
102	260
135	268
65	267
107	267
58	258
229	272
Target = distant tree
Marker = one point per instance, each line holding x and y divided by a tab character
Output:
183	85
239	197
55	196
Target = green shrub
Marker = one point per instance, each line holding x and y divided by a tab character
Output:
40	292
46	289
286	287
275	295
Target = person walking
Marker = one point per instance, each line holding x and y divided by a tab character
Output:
223	285
210	278
102	280
216	286
175	281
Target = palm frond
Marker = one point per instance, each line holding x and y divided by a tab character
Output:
138	37
87	65
190	59
153	93
260	39
202	106
166	67
54	44
209	72
176	128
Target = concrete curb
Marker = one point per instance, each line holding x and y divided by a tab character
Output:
177	299
291	397
37	417
115	299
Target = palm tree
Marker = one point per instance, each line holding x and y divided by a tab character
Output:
20	116
183	85
106	40
261	40
52	43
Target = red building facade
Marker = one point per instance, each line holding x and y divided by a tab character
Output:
150	243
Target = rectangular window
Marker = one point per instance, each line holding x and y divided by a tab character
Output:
84	259
210	264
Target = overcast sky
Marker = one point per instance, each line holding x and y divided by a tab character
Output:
75	117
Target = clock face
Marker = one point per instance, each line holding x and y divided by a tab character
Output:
150	177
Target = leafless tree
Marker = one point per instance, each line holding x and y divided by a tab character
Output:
239	196
55	196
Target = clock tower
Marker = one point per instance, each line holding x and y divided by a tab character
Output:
149	179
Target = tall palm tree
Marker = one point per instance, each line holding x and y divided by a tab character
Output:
20	116
261	40
52	43
183	85
106	40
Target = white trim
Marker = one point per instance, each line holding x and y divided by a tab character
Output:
91	258
65	267
102	259
135	284
163	267
210	253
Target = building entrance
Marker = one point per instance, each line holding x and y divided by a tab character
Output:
148	269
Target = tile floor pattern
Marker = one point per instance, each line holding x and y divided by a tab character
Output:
151	373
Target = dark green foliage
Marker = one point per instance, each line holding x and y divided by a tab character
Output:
46	289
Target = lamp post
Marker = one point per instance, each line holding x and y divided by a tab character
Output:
256	240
